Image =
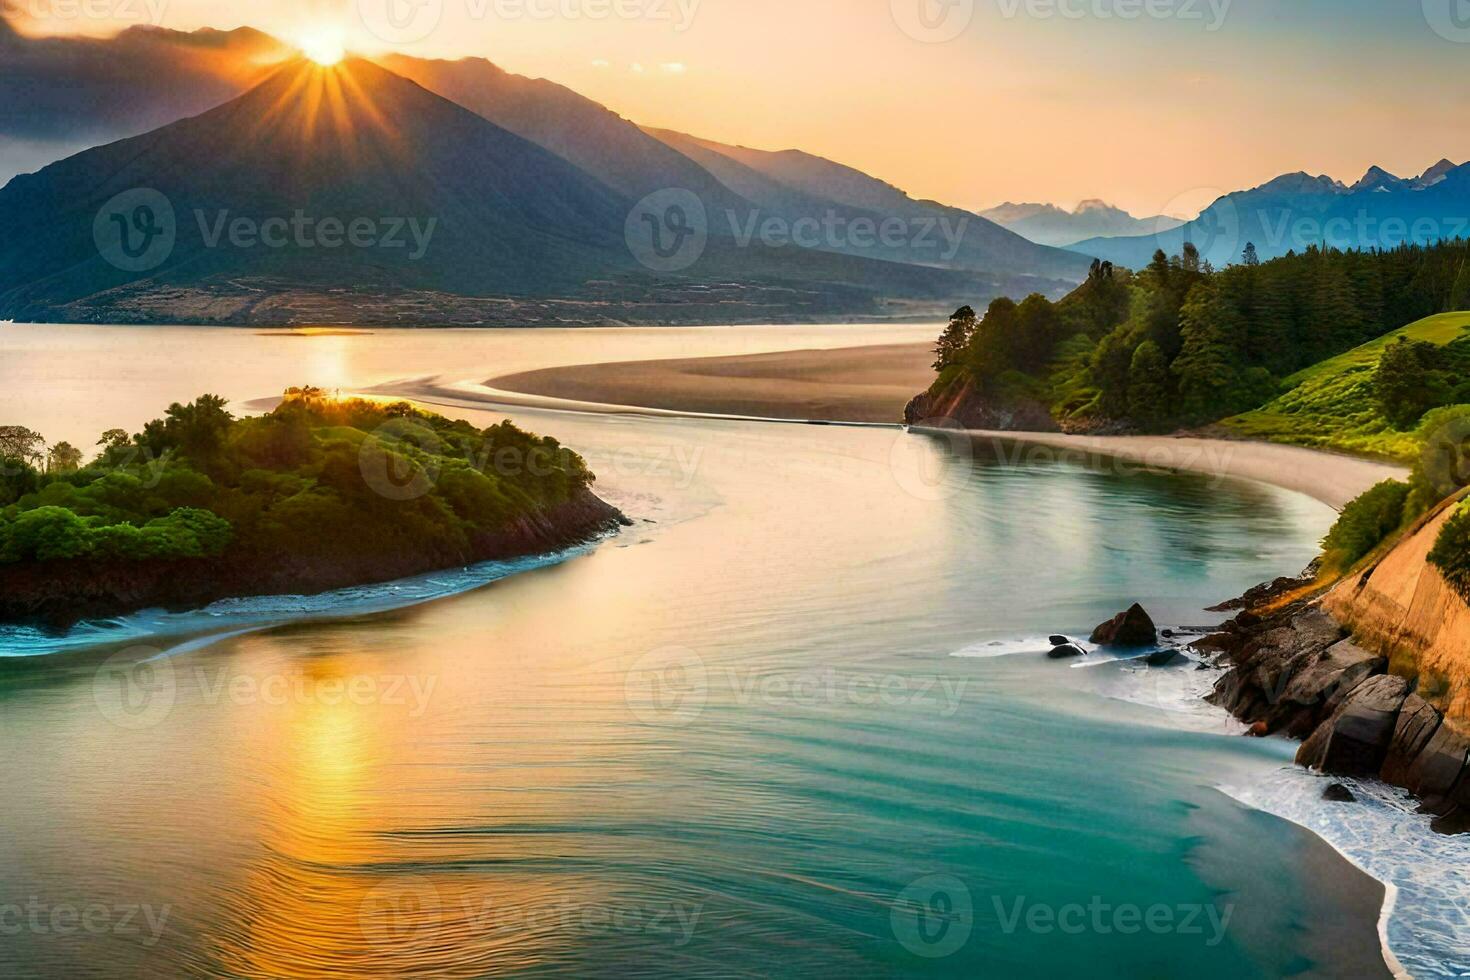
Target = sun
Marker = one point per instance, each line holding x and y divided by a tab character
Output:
323	45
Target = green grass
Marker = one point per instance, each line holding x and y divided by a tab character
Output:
1330	405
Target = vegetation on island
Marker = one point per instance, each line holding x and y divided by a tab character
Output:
1359	351
313	488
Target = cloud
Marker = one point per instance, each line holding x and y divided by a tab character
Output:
71	90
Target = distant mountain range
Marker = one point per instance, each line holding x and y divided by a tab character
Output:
1047	224
1298	210
534	192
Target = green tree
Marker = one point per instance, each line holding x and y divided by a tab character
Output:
1149	386
20	443
63	458
1409	381
950	348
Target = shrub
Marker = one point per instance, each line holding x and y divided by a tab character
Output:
1364	524
1451	553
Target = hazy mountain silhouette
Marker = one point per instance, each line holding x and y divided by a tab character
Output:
1298	210
795	185
1047	224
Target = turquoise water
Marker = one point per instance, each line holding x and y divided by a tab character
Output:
770	730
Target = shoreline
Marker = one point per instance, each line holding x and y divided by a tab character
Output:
870	386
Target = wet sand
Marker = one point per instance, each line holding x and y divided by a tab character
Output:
872	385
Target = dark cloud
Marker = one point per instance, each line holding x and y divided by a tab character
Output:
80	91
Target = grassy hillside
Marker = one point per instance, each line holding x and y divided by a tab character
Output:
1331	406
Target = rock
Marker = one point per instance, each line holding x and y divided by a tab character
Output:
1338	793
1418	721
1259	730
1066	650
1457	822
1326	677
1437	769
1131	628
1162	658
1058	640
1355	740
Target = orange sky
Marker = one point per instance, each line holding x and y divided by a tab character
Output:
1051	100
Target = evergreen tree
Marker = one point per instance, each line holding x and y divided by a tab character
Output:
956	337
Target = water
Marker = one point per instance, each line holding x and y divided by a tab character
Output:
749	736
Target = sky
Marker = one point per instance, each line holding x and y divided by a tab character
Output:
1158	106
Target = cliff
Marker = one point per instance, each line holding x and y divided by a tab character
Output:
1402	608
1375	675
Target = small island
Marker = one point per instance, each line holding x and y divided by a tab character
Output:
319	494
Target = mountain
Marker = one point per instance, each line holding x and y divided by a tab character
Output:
1298	210
574	127
1047	224
795	186
77	91
452	218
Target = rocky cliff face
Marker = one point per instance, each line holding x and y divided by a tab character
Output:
1402	608
965	404
1375	675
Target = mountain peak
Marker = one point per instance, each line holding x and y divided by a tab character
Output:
1437	173
1377	179
1302	182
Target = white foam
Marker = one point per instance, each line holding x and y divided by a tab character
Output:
232	616
1426	921
1005	648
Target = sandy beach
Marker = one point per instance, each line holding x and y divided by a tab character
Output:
872	385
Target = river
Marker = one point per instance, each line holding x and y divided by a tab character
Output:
794	722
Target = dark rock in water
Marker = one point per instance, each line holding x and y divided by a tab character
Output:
1338	793
1457	822
1162	658
1355	740
1131	628
1066	650
1058	640
1436	771
1259	730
